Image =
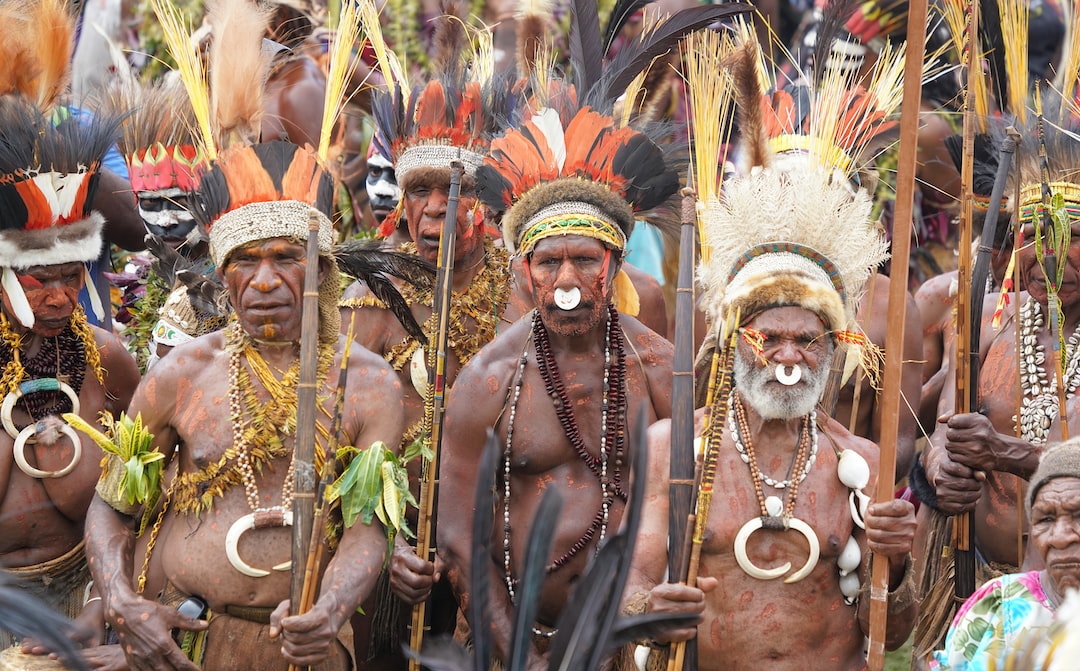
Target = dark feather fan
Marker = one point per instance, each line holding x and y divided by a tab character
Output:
483	526
23	614
367	261
834	17
585	50
984	164
654	41
620	14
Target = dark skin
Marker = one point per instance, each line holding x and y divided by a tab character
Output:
741	614
184	403
873	318
1055	535
41	519
412	577
542	456
114	200
975	461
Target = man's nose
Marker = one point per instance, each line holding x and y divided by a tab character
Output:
566	277
265	279
1064	533
435	205
788	353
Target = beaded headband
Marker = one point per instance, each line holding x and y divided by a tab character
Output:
1031	200
264	220
570	218
436	156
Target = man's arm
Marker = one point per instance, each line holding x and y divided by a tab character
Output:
471	409
143	626
116	202
373	399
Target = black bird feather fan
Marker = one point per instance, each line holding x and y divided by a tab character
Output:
588	632
23	614
369	262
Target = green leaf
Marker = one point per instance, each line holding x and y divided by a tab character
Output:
103	441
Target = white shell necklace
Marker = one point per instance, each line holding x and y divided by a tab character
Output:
1039	404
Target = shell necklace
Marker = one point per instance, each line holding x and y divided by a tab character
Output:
1039	404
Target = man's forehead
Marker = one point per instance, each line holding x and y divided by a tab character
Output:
270	244
55	269
788	318
560	243
379	161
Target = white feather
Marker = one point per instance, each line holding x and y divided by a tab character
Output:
17	298
551	126
67	189
95	297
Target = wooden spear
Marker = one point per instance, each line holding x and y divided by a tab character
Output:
681	470
894	341
306	406
444	286
317	545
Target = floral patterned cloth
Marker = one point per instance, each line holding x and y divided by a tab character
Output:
994	617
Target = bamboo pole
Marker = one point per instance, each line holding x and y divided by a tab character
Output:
681	469
444	286
306	406
894	342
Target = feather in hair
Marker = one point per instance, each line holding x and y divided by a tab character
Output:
340	71
834	17
533	17
35	56
1014	26
236	90
389	65
747	79
586	55
1066	81
620	14
653	41
191	70
448	41
366	261
953	11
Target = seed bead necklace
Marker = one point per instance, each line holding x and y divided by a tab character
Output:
612	437
805	455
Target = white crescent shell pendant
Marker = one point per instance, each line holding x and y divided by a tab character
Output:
418	372
232	540
753	571
567	299
19	452
788	379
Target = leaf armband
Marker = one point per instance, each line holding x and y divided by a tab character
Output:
131	469
374	484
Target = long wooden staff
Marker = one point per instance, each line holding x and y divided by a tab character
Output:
894	341
318	545
716	420
681	470
304	478
425	547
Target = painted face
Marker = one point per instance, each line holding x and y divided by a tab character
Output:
1032	275
1055	530
53	293
570	280
796	344
166	215
425	210
265	281
382	187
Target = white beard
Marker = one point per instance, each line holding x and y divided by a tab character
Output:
776	401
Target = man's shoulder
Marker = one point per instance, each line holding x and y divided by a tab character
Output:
646	345
845	440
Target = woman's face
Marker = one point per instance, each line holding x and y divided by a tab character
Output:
1055	531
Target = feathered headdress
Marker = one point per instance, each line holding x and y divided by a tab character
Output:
157	134
794	231
452	116
37	39
48	175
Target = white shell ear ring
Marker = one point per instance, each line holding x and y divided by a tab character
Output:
567	299
786	378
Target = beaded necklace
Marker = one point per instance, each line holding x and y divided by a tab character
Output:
612	436
806	454
1039	403
64	357
258	440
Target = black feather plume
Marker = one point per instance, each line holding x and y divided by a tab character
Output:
531	584
586	54
479	571
645	191
834	17
985	158
366	261
620	14
652	42
167	261
23	614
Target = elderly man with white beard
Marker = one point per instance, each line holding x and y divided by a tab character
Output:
785	552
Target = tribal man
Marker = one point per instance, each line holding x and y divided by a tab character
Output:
234	436
52	361
561	386
800	517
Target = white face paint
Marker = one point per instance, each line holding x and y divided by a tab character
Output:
567	299
384	187
788	375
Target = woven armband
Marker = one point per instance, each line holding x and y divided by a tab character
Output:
920	485
110	485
